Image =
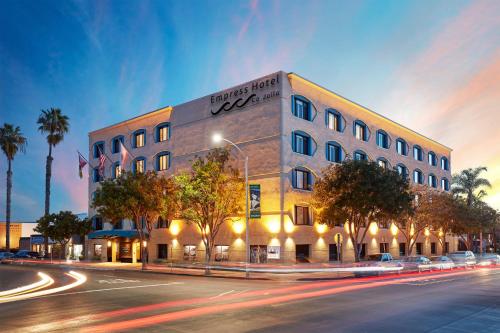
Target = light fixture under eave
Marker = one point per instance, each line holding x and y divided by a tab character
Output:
373	228
394	229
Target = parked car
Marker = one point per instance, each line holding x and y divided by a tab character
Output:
25	254
487	259
442	262
6	255
381	260
463	258
420	263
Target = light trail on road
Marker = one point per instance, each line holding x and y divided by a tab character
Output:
44	282
79	280
209	309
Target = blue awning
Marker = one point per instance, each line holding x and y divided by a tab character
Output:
113	233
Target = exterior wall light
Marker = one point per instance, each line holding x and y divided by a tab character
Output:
289	226
109	243
394	229
145	243
321	228
174	229
273	226
238	227
427	232
373	228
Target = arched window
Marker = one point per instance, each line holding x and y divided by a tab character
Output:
418	153
98	149
302	143
302	108
360	130
139	165
360	155
445	165
163	161
162	132
432	180
383	139
115	143
418	176
445	184
96	176
334	120
334	152
302	179
402	170
383	163
116	170
401	147
139	138
431	158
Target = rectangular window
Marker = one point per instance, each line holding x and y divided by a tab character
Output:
162	251
334	153
402	249
221	253
301	144
418	249
139	140
98	223
433	248
118	170
302	215
382	164
163	162
446	247
162	223
302	180
360	132
163	133
333	252
384	247
401	147
334	121
189	252
98	149
359	156
417	153
116	145
301	109
139	166
118	225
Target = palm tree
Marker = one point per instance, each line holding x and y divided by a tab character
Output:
11	141
469	184
53	123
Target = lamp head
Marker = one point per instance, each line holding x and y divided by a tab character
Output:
217	138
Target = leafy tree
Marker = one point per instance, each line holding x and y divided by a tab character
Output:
53	123
139	197
61	227
473	220
360	192
442	212
209	195
11	141
470	185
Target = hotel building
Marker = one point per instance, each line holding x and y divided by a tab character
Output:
290	128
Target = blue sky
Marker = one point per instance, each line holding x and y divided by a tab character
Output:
431	65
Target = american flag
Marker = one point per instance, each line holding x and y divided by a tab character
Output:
123	155
82	162
102	159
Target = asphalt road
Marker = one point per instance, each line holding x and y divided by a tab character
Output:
118	301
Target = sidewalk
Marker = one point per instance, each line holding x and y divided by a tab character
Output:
295	272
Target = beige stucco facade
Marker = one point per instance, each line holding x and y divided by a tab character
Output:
260	121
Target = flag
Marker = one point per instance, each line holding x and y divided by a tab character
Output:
102	159
123	156
82	162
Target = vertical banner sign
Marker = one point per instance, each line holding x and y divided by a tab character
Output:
255	201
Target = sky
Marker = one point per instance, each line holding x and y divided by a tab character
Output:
433	66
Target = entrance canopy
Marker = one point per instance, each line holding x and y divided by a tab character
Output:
99	234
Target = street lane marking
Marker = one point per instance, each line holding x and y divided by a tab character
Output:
117	281
222	294
117	288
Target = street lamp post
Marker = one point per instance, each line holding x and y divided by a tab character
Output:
217	138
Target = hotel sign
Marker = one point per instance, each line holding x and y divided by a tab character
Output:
252	93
